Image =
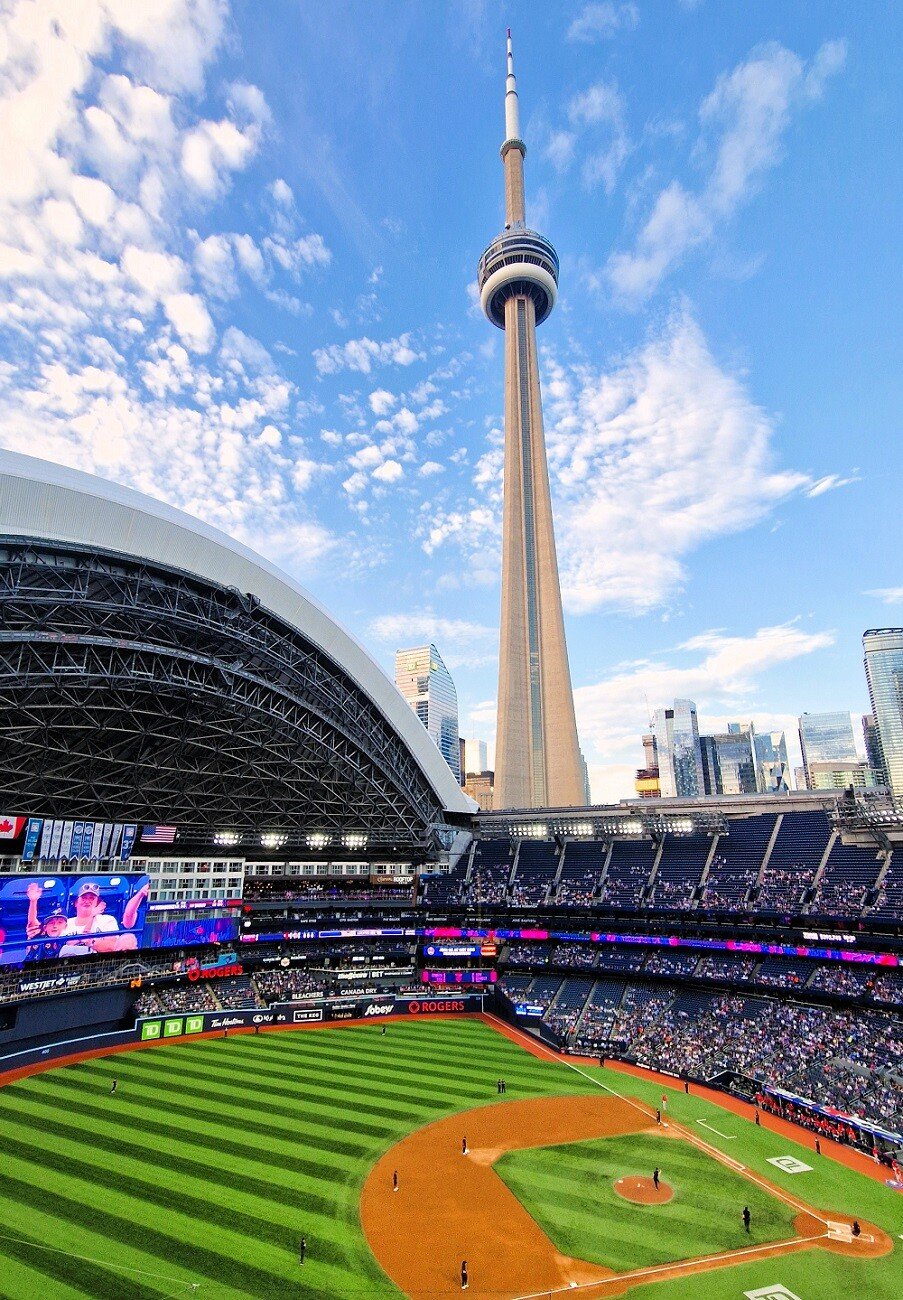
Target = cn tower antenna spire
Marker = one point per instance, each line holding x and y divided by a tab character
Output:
512	112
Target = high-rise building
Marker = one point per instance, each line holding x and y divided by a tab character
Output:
475	755
838	775
772	764
584	771
479	786
680	768
826	738
426	684
728	761
872	742
537	759
884	672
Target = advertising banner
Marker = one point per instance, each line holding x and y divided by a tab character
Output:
372	1008
46	917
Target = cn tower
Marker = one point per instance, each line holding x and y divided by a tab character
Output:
537	762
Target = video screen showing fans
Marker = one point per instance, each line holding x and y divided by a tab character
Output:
184	932
48	917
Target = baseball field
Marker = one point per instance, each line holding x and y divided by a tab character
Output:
212	1159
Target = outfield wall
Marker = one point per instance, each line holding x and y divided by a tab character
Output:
90	1036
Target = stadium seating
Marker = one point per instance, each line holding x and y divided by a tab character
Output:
680	868
581	872
736	863
795	858
627	877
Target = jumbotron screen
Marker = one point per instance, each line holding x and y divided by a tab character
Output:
185	931
44	917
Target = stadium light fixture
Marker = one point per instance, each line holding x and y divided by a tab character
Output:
354	840
318	840
227	839
273	840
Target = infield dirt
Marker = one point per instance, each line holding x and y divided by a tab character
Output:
451	1207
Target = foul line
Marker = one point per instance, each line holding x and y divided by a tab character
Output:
728	1137
104	1263
648	1113
685	1266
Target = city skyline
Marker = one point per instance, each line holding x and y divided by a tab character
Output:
234	288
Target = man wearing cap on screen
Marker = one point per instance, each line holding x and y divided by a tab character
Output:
89	920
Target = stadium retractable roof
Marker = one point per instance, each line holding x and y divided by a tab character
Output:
154	669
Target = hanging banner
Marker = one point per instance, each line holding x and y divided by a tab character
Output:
66	841
128	842
32	835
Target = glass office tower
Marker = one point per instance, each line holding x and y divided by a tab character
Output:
676	733
826	737
426	684
884	672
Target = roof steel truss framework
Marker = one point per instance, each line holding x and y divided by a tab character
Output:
133	691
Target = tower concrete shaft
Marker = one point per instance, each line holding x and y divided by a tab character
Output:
537	752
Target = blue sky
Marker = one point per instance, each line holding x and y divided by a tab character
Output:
237	251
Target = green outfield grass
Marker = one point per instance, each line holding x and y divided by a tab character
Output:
215	1156
569	1190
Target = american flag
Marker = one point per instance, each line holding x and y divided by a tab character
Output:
158	834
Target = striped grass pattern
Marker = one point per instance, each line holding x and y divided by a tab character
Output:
569	1190
214	1157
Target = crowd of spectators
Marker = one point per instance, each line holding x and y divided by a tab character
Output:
288	984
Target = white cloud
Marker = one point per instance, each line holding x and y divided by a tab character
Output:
215	264
389	472
361	355
668	439
829	482
744	121
596	22
460	642
106	167
430	467
282	193
191	320
723	673
381	401
890	595
597	120
648	462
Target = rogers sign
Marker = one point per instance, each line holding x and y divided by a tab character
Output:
451	1004
214	972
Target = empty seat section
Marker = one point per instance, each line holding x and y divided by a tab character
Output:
794	861
628	873
679	870
580	875
491	869
565	1011
850	873
737	862
537	864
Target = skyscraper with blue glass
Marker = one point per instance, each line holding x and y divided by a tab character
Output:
426	684
884	672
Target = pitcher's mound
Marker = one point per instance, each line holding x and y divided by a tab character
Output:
643	1191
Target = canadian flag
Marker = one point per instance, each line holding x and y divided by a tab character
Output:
10	827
